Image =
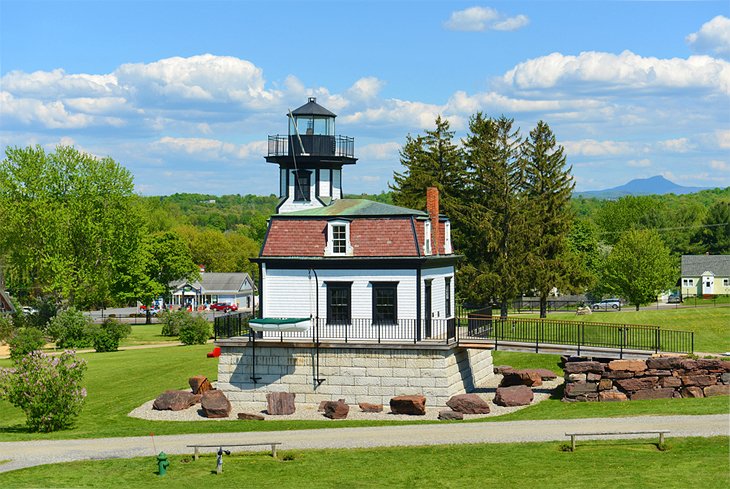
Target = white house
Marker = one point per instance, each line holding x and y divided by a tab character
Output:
227	288
704	275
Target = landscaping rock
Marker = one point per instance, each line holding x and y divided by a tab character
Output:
199	384
605	385
250	416
322	404
521	377
580	388
280	403
692	391
545	374
577	377
591	377
468	404
583	367
618	374
414	405
366	407
503	369
717	390
670	382
699	380
448	415
612	396
637	384
518	395
174	401
215	404
627	365
664	363
652	372
652	394
688	364
725	378
336	409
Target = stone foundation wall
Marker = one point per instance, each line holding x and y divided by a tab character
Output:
653	378
356	374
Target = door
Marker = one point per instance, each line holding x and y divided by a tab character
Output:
427	309
708	282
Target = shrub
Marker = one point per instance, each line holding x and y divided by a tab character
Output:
172	321
24	341
106	336
70	329
195	331
47	388
6	328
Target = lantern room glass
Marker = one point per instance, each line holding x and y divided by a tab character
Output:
313	125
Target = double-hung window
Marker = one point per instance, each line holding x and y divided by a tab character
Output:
339	302
385	302
338	238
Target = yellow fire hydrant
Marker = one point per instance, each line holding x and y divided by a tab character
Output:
162	463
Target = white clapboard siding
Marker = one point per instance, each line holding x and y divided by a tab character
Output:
438	297
324	182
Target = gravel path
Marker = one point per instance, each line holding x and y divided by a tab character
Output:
30	453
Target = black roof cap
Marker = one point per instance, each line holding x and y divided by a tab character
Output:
313	108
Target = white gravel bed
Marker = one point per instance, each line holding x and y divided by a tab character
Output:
309	411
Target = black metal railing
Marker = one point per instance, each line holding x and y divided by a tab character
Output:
313	145
475	328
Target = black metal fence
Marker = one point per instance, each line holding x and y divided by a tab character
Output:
477	327
315	145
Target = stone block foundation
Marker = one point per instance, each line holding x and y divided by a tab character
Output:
354	372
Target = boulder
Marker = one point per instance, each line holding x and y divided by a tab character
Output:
699	380
664	363
215	404
545	374
605	385
651	394
717	390
529	378
689	364
322	404
336	409
612	396
715	366
503	369
692	391
637	384
366	407
670	382
414	405
591	377
174	401
518	395
577	377
725	378
583	367
280	403
652	372
250	416
575	389
468	404
627	365
618	374
448	415
199	384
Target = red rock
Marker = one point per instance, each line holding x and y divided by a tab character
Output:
664	363
448	415
544	373
688	364
574	389
651	394
714	365
637	384
413	405
605	385
610	396
652	372
370	408
618	374
468	404
503	369
583	367
699	380
717	390
518	395
669	382
590	377
336	409
199	384
215	404
692	391
174	401
250	417
576	377
627	365
280	403
529	378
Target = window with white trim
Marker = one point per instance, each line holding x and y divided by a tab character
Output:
338	238
447	238
726	282
427	238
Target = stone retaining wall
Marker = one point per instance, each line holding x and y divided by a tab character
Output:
356	374
653	378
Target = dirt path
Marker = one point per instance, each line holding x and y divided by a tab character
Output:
30	453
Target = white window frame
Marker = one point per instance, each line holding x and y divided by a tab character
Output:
447	238
427	248
329	249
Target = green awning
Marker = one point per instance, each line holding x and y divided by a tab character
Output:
276	320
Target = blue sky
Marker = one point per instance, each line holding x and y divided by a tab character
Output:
184	94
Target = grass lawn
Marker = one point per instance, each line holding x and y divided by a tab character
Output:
711	325
146	334
687	462
119	382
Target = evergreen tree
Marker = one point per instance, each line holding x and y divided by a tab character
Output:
548	189
493	214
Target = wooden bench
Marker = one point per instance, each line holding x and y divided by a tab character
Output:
221	445
661	434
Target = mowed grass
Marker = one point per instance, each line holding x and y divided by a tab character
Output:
711	325
616	464
146	334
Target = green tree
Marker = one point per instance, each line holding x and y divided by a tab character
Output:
70	221
548	189
714	237
493	212
631	212
639	267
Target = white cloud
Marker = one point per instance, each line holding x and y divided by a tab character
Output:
678	145
591	147
365	89
599	71
478	19
723	138
643	163
720	165
712	38
209	149
379	151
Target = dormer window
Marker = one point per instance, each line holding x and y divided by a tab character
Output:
447	238
427	238
302	183
338	238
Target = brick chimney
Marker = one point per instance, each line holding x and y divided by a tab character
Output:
432	206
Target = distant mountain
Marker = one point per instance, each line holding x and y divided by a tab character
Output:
657	185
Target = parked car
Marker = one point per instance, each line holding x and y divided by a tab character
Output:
675	298
606	304
27	310
220	306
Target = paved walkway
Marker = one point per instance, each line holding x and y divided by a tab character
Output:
30	453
